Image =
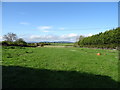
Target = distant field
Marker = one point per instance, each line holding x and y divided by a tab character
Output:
59	67
62	44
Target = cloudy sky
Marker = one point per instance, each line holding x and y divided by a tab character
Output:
58	21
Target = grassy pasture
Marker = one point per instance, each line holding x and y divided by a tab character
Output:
59	67
62	44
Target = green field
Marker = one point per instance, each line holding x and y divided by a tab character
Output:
47	67
62	44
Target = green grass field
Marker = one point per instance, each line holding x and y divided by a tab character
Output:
59	68
62	44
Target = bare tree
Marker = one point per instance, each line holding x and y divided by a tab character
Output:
10	37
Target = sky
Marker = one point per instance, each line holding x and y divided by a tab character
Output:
58	21
60	0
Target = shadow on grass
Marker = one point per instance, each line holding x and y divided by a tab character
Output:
22	77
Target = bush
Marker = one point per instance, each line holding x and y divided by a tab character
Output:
7	43
42	45
20	42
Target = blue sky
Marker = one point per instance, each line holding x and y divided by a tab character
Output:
50	21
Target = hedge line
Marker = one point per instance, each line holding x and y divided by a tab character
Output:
108	39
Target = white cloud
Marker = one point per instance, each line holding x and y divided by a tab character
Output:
24	23
44	27
1	38
67	37
34	37
90	34
62	28
72	35
42	38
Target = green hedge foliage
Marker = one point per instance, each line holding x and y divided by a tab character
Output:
108	39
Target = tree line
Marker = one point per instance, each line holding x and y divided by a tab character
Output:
11	39
107	39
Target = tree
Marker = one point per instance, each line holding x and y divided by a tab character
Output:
5	43
107	39
20	41
10	37
80	39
